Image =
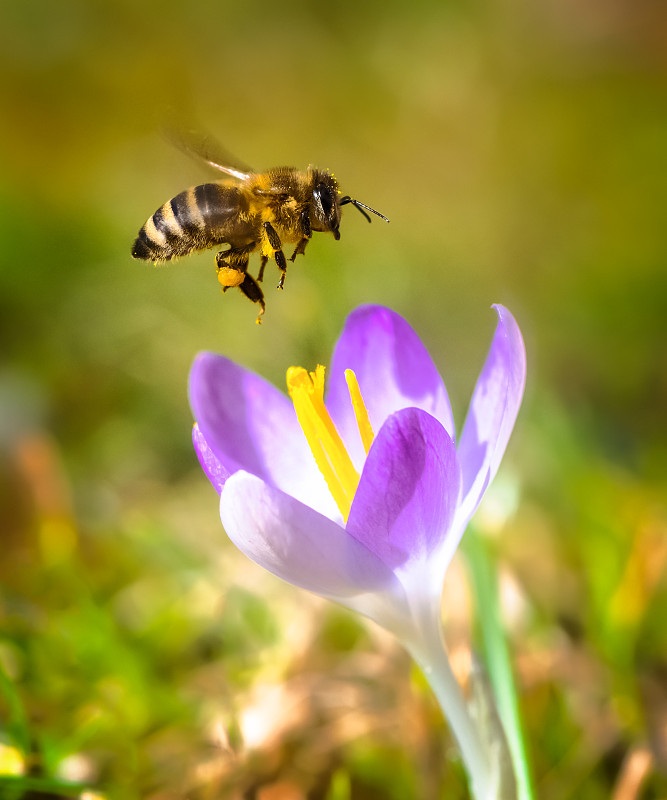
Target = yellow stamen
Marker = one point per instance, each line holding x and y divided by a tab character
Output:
360	412
307	393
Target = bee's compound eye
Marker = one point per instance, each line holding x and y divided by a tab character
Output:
325	196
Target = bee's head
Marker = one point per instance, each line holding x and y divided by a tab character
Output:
325	208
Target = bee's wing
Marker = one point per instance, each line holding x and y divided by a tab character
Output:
204	147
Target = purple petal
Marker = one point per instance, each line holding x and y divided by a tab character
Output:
296	543
249	425
409	489
214	470
394	371
493	411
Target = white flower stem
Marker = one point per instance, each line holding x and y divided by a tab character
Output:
429	652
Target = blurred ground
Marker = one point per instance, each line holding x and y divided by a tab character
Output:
519	150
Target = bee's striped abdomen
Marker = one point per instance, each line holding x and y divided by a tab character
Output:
175	229
198	218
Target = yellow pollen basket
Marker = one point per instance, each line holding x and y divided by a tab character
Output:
307	392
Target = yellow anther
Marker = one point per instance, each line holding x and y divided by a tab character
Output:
307	393
360	412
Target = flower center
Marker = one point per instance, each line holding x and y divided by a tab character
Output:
307	392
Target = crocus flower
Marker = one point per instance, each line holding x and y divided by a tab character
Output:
362	497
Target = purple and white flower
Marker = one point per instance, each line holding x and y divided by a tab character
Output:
367	508
417	488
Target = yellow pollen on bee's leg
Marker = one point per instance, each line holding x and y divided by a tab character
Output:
307	393
228	276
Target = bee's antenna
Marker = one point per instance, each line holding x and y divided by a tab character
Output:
360	206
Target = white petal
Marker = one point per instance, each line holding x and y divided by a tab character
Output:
297	543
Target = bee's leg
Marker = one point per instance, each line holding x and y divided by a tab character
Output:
306	233
282	266
262	263
232	265
279	256
252	291
300	249
231	270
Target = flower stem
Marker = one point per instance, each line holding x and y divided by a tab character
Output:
430	654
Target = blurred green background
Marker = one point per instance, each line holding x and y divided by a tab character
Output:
520	151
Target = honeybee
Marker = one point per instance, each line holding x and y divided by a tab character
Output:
254	211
